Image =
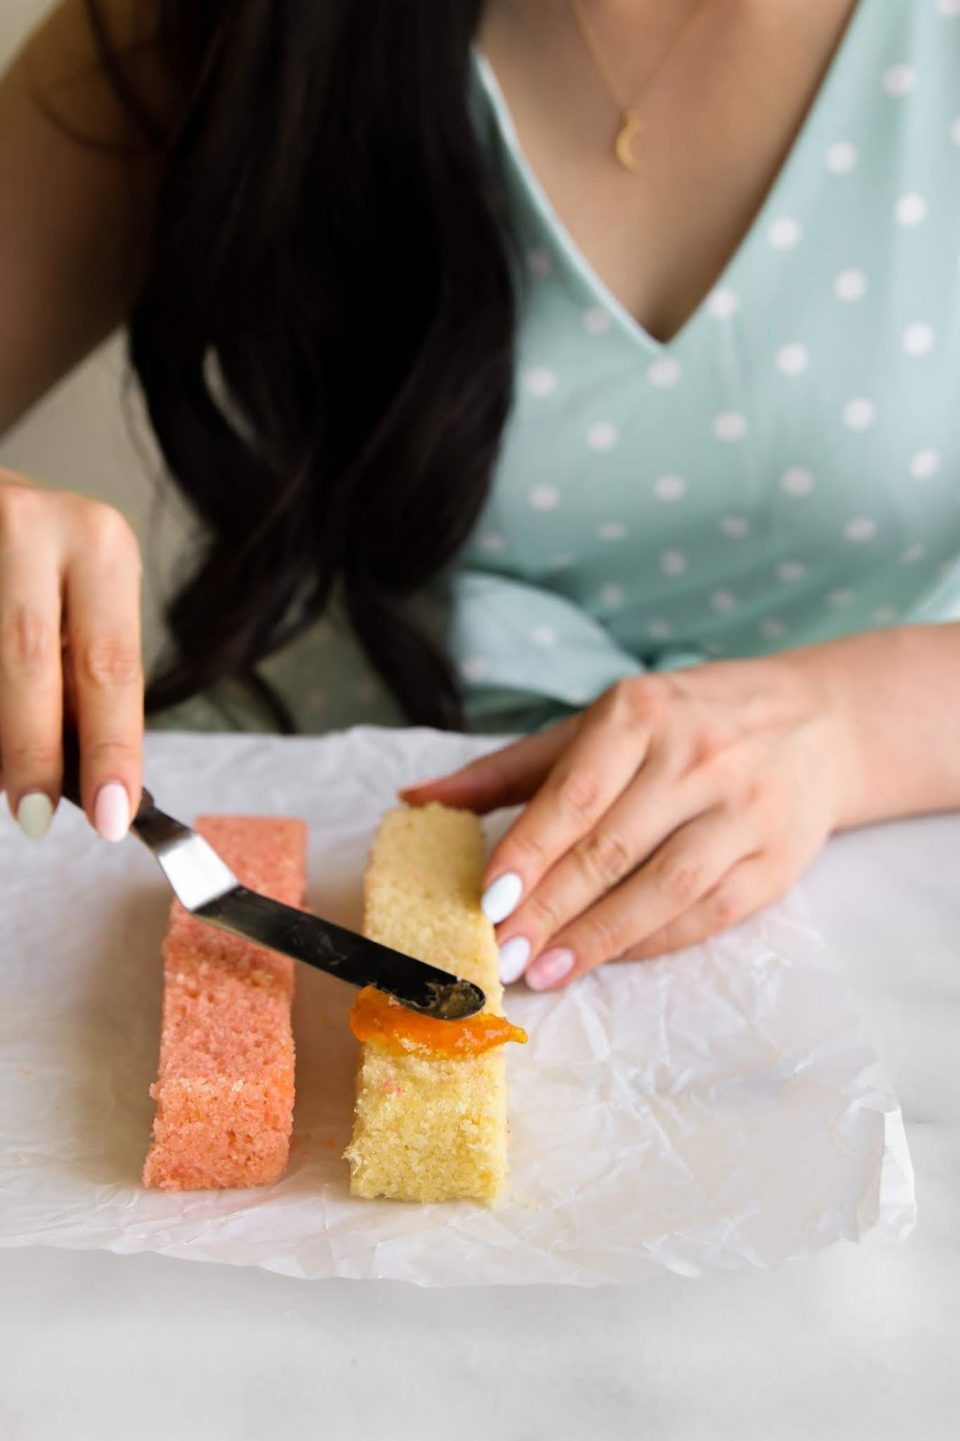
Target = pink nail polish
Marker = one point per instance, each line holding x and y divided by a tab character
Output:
111	812
550	968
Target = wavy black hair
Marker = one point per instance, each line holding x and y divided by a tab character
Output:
325	335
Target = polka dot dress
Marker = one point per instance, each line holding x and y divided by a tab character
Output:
784	471
788	468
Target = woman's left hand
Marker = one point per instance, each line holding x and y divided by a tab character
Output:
672	808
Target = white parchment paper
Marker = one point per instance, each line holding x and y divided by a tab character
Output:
719	1108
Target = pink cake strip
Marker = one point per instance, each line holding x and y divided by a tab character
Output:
225	1088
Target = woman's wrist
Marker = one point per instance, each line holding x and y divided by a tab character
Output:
894	696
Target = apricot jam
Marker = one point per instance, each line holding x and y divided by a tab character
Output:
379	1018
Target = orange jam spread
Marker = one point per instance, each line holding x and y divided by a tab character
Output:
379	1018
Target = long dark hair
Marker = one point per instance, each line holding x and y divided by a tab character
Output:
324	338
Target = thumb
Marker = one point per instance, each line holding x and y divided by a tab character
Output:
507	777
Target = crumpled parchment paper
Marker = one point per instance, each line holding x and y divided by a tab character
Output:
719	1108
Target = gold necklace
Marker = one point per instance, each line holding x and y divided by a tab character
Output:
631	124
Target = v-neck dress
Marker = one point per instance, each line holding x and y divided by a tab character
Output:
787	469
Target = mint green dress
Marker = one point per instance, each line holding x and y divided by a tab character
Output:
786	470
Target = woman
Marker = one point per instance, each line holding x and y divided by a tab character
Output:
518	361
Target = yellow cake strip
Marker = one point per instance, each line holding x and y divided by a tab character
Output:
431	1128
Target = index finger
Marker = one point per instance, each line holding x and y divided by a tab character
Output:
104	653
582	785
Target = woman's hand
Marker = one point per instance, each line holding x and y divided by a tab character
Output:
672	808
69	639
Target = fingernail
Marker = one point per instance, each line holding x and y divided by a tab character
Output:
514	955
34	814
550	968
421	785
501	897
111	812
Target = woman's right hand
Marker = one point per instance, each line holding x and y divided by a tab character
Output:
69	648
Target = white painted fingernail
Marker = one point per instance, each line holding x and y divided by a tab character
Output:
514	955
111	812
502	897
34	814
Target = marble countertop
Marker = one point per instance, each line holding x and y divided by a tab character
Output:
852	1342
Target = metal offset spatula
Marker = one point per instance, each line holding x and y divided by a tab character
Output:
206	887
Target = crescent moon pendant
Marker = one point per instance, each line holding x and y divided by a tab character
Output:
623	145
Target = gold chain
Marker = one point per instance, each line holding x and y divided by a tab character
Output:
630	123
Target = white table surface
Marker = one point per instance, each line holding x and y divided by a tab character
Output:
854	1342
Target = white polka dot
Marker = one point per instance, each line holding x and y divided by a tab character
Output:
899	80
859	414
561	562
919	339
884	615
950	9
839	598
736	526
730	425
539	381
851	285
790	571
793	359
772	629
669	487
597	321
955	131
603	435
474	667
612	530
842	157
659	629
544	497
664	372
785	233
539	262
924	464
673	562
579	695
612	594
861	527
543	636
797	481
911	209
723	303
492	543
723	601
913	553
